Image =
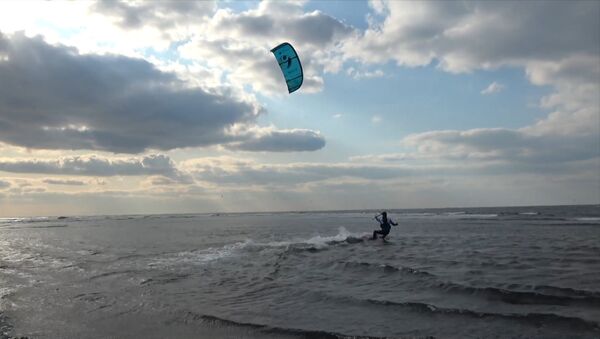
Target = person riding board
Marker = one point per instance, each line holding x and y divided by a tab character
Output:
384	222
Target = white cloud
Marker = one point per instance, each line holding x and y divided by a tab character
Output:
273	140
249	173
357	74
557	43
239	44
376	119
494	87
67	182
93	165
509	146
235	45
479	34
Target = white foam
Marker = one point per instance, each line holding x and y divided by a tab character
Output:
201	256
229	250
343	234
491	215
588	219
317	241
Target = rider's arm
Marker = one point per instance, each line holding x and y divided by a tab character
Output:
393	223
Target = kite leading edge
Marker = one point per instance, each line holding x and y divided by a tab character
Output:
290	65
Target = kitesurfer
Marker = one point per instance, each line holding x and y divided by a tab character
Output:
384	222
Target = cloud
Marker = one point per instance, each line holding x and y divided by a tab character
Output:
383	158
281	141
164	15
576	104
239	44
479	34
160	180
494	87
196	33
467	36
92	165
515	147
52	97
249	173
63	182
461	160
4	184
357	74
376	119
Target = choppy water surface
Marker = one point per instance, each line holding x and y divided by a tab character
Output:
456	273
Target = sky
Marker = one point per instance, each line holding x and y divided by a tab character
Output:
132	107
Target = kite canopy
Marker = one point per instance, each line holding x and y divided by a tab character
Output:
290	65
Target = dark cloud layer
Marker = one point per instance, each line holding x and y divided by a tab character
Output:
162	14
51	97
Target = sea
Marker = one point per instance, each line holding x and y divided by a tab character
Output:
503	272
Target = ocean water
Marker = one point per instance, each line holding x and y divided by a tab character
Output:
527	272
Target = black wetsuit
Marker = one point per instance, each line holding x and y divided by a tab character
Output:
385	227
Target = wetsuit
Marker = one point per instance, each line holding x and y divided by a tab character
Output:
385	227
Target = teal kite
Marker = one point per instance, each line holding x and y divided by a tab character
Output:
290	65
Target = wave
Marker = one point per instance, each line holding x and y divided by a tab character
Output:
516	295
5	326
587	219
164	279
110	274
520	297
529	213
565	291
532	319
24	220
535	319
46	226
386	268
303	333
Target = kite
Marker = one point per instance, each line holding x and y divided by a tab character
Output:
290	65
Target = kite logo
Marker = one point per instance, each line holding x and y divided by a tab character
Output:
289	61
